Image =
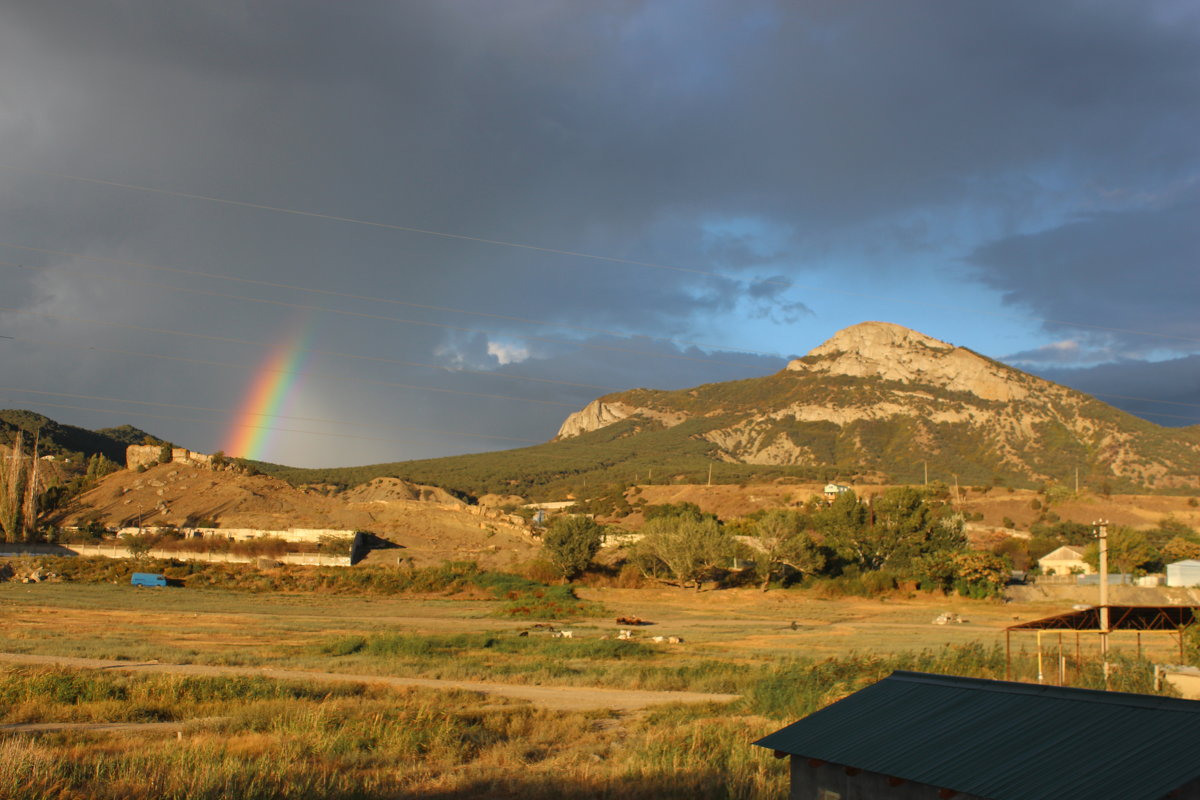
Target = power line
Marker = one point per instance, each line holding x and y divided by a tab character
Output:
409	363
375	299
1144	399
208	362
366	315
215	422
260	414
384	225
375	358
569	253
532	442
334	353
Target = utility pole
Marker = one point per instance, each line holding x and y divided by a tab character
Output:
710	474
926	473
1102	536
1077	480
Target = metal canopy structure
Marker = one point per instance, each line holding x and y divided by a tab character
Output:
1172	620
1124	618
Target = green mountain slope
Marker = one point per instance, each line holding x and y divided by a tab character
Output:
875	401
68	440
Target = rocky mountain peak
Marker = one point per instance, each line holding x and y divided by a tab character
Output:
894	353
879	340
885	399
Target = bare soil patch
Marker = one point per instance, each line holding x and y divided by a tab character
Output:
426	525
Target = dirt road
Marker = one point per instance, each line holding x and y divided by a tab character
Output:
560	698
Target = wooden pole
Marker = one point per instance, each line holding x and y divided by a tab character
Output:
1062	663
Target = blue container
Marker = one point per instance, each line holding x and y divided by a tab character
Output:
147	579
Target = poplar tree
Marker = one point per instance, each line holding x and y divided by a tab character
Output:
12	490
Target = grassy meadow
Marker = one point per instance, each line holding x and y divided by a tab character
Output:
786	653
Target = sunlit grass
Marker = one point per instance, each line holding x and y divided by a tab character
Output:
288	740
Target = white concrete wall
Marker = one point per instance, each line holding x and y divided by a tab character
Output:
119	551
309	535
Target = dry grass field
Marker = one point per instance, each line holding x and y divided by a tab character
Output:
214	626
785	652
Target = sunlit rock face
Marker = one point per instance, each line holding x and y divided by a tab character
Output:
895	353
879	398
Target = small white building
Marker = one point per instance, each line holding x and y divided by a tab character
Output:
1066	560
832	490
1184	573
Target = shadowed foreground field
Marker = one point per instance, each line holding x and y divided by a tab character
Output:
785	653
307	740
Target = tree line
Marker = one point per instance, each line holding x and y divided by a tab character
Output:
29	494
905	534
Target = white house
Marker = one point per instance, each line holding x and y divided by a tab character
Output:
1066	560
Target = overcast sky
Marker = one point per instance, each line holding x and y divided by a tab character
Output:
464	220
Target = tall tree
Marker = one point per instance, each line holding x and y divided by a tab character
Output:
682	549
782	542
29	513
1128	550
572	542
12	490
899	525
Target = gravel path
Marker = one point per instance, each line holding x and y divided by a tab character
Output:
560	698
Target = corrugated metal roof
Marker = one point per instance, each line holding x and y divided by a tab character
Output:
1005	741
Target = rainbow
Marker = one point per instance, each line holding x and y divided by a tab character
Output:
252	431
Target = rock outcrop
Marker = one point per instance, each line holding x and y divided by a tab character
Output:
147	455
894	353
388	490
600	414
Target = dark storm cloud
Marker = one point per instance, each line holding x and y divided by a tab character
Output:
1131	271
749	139
596	130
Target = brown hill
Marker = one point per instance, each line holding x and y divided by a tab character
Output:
428	523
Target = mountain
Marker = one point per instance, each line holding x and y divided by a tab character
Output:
880	398
877	402
67	440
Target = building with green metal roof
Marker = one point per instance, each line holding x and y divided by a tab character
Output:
914	735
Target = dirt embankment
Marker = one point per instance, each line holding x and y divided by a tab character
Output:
426	524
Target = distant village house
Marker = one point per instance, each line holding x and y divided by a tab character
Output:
833	490
1066	560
